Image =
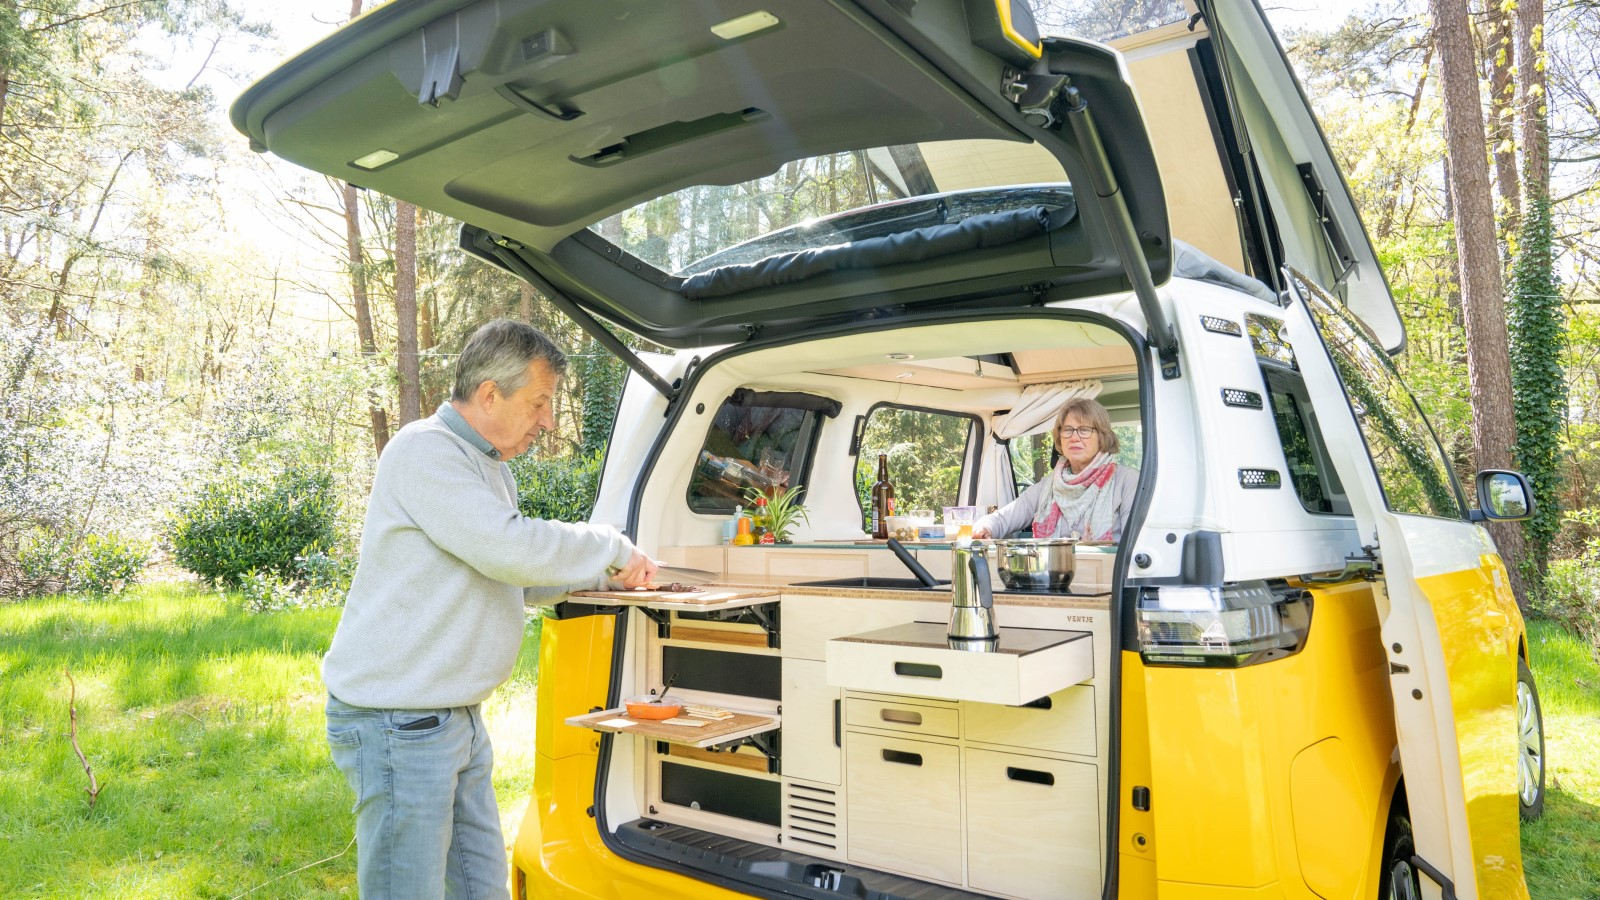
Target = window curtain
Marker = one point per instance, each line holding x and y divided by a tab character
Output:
1038	405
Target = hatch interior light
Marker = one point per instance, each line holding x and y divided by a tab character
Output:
750	23
375	159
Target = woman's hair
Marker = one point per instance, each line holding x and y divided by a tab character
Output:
1091	413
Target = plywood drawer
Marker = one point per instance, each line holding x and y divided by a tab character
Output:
912	718
1064	722
904	810
811	620
1033	826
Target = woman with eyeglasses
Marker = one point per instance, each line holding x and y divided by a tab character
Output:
1087	495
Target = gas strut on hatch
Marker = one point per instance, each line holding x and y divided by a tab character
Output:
1115	208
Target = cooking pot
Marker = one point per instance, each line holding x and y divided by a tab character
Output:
1036	564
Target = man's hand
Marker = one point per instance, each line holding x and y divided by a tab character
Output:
979	532
639	572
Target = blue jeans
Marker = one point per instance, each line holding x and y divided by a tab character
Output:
426	821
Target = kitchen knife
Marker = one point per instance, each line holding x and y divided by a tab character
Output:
698	577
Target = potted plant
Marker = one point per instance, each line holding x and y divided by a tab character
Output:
784	510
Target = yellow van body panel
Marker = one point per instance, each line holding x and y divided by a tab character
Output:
1481	631
1274	776
1136	830
1224	744
558	850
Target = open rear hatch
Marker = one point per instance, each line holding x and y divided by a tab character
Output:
532	121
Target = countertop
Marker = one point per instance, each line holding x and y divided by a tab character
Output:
1001	597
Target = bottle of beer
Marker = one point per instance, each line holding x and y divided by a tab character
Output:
882	499
762	526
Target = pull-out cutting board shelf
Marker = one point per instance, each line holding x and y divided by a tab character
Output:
918	660
741	726
711	598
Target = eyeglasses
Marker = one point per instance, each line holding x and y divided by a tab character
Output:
1082	431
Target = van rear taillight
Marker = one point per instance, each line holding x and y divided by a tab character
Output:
1222	627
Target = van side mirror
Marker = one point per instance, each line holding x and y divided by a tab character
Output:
1503	495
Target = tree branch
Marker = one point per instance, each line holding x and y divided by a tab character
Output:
93	790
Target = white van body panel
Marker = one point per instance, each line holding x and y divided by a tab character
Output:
641	412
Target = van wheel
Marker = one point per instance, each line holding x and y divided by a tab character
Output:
1530	745
1400	880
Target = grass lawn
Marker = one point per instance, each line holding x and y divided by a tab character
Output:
204	726
1561	851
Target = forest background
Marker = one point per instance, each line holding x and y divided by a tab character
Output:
193	336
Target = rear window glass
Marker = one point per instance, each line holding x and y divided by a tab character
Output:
1106	20
1314	483
927	452
833	199
759	441
1411	467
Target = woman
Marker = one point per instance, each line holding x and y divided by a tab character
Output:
1088	495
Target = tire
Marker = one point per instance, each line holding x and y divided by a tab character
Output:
1398	879
1530	746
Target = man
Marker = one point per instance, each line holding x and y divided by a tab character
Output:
435	619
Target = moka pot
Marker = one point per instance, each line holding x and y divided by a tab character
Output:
971	595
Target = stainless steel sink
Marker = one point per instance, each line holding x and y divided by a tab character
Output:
894	584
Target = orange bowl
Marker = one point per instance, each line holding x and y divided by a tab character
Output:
652	707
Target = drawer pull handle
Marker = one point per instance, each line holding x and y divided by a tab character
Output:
918	670
901	716
902	757
1031	776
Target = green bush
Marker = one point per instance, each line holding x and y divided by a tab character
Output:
109	564
1571	595
240	525
103	565
561	489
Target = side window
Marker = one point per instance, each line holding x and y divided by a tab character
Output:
1315	482
927	453
1411	467
1031	456
757	440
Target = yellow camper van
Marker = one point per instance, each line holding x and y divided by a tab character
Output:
1297	671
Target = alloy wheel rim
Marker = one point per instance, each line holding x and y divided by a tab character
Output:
1530	756
1402	883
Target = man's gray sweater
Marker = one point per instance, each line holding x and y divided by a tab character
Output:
435	613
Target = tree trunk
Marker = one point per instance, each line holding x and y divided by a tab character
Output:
358	295
1538	313
525	304
427	339
1478	259
405	312
1534	113
1499	51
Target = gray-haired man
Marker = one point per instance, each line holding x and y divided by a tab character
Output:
435	618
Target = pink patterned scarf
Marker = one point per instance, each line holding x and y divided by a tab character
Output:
1079	504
